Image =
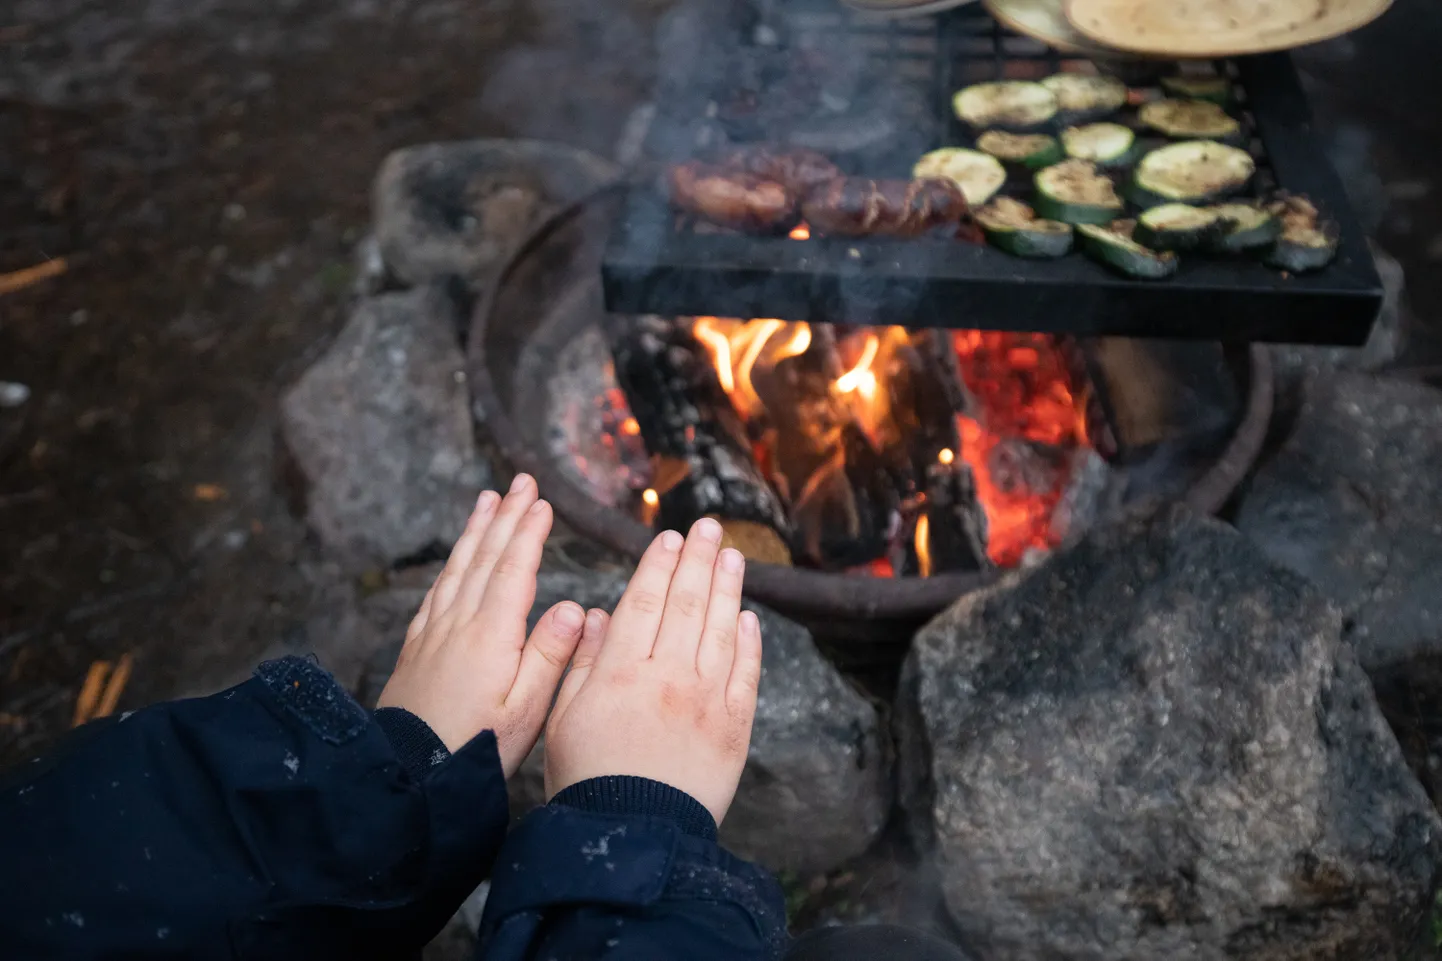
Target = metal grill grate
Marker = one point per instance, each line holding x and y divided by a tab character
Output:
657	262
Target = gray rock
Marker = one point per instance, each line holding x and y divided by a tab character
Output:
1156	746
459	208
817	785
380	431
1351	502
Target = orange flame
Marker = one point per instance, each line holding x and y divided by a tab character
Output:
923	544
861	378
800	232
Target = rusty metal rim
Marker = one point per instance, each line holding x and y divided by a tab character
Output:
797	591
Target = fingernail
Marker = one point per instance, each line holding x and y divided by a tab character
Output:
593	620
519	484
570	617
732	561
708	530
487	501
537	507
672	541
750	623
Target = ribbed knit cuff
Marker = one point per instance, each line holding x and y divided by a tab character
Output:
624	794
415	744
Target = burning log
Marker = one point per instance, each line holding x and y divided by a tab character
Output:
690	427
954	523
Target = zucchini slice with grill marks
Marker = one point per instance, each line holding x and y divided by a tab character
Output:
1190	120
979	175
1014	227
1191	172
1179	227
1112	244
1075	192
1030	151
1104	144
1217	90
1080	98
1308	240
1248	227
1015	105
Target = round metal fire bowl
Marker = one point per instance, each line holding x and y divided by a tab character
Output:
550	290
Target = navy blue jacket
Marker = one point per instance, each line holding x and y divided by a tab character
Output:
280	820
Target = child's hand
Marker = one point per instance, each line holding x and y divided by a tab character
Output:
671	692
466	665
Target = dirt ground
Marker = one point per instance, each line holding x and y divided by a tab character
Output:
203	166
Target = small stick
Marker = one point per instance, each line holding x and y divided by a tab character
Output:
20	279
90	692
115	686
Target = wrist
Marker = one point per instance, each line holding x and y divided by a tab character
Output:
417	747
626	795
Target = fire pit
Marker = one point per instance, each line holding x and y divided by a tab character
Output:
542	381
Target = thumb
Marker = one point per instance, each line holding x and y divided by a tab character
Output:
592	635
543	660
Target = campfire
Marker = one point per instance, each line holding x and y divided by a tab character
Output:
871	450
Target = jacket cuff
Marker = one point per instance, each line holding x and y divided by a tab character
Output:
416	745
627	795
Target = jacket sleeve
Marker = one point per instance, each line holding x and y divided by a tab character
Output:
625	869
274	820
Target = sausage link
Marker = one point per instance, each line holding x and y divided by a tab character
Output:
859	207
736	199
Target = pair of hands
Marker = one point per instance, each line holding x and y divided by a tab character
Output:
664	689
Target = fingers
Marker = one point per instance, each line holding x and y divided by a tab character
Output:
633	629
745	667
443	592
502	548
544	659
423	616
686	602
590	645
718	636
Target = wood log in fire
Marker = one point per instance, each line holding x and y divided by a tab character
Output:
686	419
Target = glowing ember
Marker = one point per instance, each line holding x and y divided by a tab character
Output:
800	232
946	456
630	427
1026	394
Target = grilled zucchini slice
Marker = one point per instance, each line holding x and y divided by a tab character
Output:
1179	227
1217	90
1015	105
1014	227
1104	144
1190	120
1081	98
1308	240
1075	192
1191	172
1247	227
1113	245
978	175
1030	151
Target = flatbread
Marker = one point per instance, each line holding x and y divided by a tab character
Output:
1217	28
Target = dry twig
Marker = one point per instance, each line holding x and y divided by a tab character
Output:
114	687
90	692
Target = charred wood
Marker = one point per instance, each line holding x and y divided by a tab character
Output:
686	419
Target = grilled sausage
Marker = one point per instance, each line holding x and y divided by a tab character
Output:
800	171
859	207
743	201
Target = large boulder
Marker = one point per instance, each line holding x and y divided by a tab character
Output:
817	785
446	209
1157	746
379	429
1353	502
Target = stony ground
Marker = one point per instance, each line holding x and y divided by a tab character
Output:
204	165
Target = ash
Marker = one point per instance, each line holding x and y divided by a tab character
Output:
585	416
